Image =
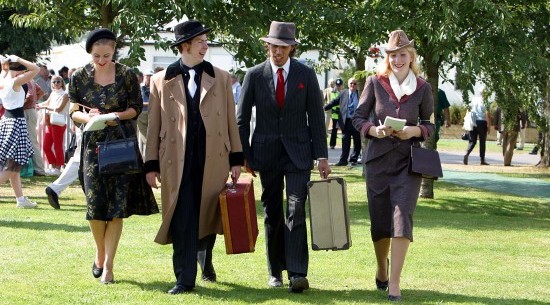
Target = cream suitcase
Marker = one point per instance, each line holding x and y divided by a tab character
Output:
329	216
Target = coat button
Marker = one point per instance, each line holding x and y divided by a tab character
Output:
173	119
169	161
219	133
172	140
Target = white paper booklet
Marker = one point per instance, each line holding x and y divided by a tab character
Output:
395	123
98	122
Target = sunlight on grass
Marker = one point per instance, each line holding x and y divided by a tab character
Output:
471	247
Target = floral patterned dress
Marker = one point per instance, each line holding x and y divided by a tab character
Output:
117	196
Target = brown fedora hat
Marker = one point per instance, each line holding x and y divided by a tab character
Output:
281	34
188	30
397	41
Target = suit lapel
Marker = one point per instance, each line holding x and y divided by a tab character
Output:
177	89
207	82
292	84
174	83
267	75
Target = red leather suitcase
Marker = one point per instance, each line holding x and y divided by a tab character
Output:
240	224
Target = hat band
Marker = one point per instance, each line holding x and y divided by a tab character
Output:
279	37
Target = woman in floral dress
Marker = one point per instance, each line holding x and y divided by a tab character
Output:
101	87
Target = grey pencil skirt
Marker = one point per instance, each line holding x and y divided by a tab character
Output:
392	194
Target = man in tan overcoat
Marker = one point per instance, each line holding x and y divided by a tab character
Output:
192	146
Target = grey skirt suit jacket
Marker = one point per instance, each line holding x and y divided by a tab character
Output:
391	191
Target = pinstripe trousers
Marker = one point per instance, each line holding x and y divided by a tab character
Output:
286	238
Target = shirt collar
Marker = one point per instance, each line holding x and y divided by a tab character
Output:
185	69
285	67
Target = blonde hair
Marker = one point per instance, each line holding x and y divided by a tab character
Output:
384	67
59	78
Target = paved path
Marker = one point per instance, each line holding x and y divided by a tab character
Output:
455	157
527	187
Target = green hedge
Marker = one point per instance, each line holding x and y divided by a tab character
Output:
457	113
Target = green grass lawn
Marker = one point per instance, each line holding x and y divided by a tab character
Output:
471	247
490	146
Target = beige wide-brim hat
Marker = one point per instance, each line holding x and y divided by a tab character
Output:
281	34
397	41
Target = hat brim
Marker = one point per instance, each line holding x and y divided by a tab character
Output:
182	40
279	42
410	44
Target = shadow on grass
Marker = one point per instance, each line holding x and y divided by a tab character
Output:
43	204
468	209
42	226
463	199
222	292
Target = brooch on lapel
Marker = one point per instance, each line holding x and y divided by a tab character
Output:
300	86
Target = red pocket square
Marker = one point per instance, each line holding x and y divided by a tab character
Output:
300	86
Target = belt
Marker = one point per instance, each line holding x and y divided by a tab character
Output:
15	113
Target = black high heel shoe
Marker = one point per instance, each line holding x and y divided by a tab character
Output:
394	298
96	271
383	286
107	282
112	281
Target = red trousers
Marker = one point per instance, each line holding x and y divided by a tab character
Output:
54	137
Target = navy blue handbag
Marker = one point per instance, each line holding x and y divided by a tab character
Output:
118	157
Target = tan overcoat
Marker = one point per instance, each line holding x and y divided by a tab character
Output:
166	134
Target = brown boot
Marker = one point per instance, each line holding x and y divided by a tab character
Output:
483	162
465	160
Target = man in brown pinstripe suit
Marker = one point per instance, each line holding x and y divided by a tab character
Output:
289	136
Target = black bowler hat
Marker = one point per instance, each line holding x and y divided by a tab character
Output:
96	35
188	30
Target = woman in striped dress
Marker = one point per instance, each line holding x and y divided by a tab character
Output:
15	145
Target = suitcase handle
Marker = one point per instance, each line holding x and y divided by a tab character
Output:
231	187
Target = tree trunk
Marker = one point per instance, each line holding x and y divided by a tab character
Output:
427	186
360	66
107	15
432	68
545	145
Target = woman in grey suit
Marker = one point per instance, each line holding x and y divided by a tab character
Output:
392	192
